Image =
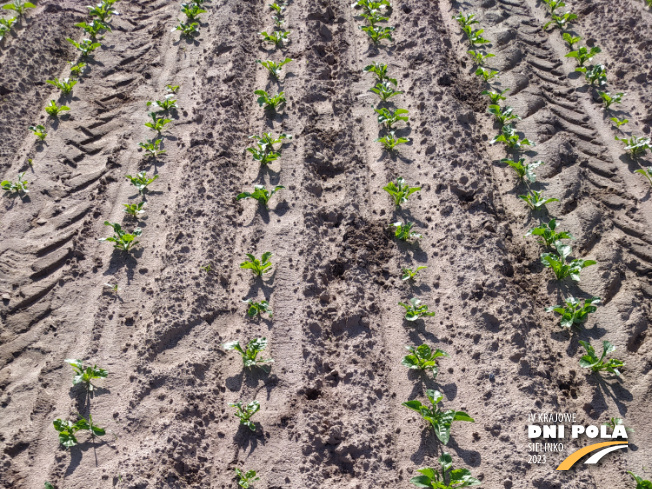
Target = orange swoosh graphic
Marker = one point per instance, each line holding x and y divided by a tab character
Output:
578	454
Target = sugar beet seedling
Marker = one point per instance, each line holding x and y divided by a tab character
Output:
403	232
597	365
17	187
572	312
260	193
68	429
85	375
400	191
446	478
264	151
258	308
440	420
244	413
122	240
250	352
245	479
258	267
423	358
19	6
415	310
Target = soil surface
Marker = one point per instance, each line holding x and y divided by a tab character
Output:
331	413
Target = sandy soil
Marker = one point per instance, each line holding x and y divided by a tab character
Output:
331	406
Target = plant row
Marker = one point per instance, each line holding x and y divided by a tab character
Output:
596	76
7	24
556	254
98	23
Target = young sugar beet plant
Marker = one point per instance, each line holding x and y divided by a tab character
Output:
583	55
409	274
524	171
273	67
503	115
95	28
85	47
258	308
68	429
640	482
158	122
536	201
594	74
646	172
415	310
258	267
560	21
260	193
6	25
271	103
597	365
618	122
192	11
548	233
19	6
377	33
445	478
277	16
390	142
400	191
85	375
250	353
77	69
380	71
39	131
440	420
244	413
572	312
53	110
264	151
495	96
635	146
245	479
141	182
122	240
17	187
388	117
167	104
385	90
134	210
608	100
511	140
187	29
277	38
465	20
103	11
479	57
403	232
557	261
487	74
152	147
423	358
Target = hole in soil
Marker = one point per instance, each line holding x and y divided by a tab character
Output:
313	394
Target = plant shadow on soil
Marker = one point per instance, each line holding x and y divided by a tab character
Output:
254	378
274	176
429	445
76	453
24	198
83	397
121	259
613	389
246	439
264	284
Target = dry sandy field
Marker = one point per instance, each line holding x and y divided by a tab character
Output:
331	405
